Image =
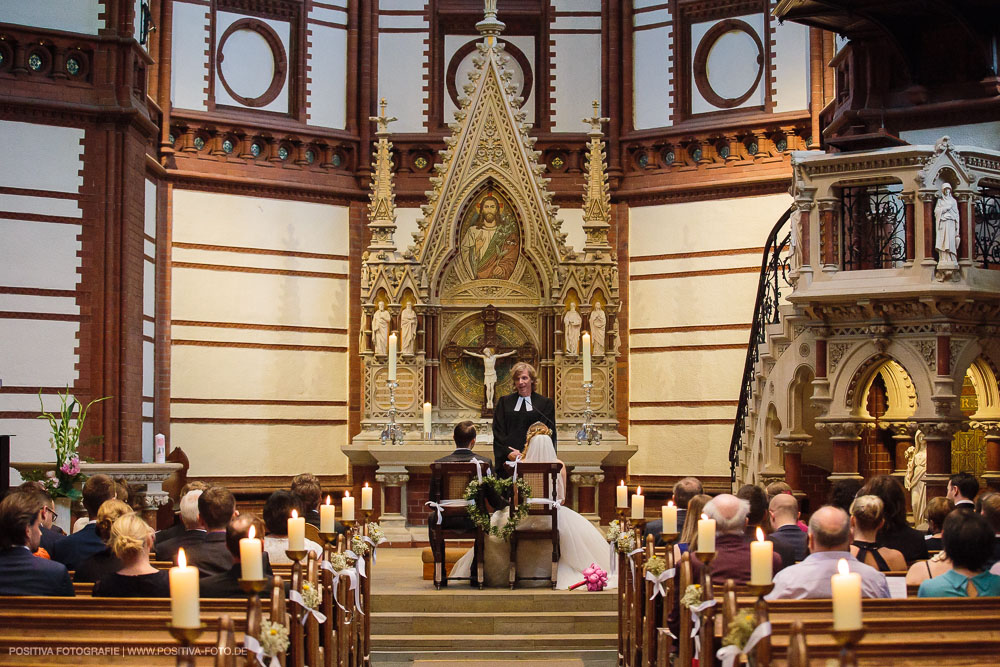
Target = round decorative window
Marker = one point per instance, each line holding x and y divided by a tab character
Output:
251	62
461	63
282	153
729	63
35	62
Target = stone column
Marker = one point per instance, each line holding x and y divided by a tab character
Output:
845	436
938	434
393	522
991	431
792	456
585	480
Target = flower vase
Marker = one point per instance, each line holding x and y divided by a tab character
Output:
64	511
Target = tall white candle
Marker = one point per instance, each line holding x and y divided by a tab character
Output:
669	516
638	504
846	588
706	534
761	560
427	420
392	357
347	507
251	561
327	517
184	611
622	495
159	448
296	532
366	497
586	357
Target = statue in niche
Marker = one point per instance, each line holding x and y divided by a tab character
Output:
408	329
598	328
571	328
916	469
380	329
948	234
490	240
489	370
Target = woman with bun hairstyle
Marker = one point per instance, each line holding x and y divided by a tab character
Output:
93	568
131	542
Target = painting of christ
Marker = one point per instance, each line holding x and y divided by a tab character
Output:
490	238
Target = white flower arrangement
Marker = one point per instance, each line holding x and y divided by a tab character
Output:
359	546
273	638
311	595
375	533
626	542
338	561
614	530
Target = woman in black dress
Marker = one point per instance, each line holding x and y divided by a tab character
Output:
131	541
102	563
896	533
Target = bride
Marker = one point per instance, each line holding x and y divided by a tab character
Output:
580	543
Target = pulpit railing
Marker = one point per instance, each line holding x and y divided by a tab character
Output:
773	278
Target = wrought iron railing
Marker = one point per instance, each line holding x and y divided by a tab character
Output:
987	216
773	278
873	231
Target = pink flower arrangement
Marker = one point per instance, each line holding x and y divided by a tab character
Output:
594	577
71	467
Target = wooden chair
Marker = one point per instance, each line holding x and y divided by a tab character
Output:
312	533
448	483
541	477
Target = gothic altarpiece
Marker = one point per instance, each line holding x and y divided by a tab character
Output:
488	273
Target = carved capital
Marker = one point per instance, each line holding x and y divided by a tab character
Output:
905	430
793	446
990	429
586	479
940	430
392	478
153	501
846	430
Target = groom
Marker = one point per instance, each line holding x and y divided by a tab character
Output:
514	413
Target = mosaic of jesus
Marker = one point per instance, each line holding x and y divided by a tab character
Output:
490	237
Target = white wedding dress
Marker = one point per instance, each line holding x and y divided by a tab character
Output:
580	543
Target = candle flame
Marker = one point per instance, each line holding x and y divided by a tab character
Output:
295	515
366	485
347	494
328	499
760	534
842	566
251	533
670	503
621	483
704	516
182	560
638	490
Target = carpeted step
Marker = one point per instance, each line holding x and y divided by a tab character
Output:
461	598
502	623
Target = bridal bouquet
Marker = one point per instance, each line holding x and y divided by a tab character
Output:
595	578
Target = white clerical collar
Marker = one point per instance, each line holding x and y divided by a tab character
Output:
523	400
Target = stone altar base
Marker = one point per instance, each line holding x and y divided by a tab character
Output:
413	624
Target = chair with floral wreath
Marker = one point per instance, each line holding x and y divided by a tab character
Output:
541	477
449	519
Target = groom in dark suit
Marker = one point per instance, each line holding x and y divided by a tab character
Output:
514	413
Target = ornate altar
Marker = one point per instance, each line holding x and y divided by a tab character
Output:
490	280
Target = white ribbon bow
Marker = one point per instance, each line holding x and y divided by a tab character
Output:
545	501
658	579
336	577
614	558
453	502
295	596
373	544
513	464
251	644
359	562
352	576
696	622
479	469
631	561
729	654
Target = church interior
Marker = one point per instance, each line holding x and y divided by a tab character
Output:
744	241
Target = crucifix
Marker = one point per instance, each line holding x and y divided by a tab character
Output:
490	350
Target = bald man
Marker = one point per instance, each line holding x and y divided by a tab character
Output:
788	538
829	542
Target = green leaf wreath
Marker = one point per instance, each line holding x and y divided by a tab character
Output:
504	488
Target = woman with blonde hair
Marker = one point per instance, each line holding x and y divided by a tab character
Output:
689	531
866	519
103	562
131	542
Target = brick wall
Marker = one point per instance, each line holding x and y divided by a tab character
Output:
816	487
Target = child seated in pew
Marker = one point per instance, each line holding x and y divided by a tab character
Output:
968	541
131	541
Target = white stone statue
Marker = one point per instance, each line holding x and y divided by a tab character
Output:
948	233
380	329
571	328
598	329
916	469
408	329
489	370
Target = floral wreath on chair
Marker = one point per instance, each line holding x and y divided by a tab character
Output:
503	488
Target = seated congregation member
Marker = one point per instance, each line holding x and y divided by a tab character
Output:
843	492
789	541
94	567
227	584
991	512
50	533
688	540
684	490
193	533
21	573
829	541
968	541
777	488
732	548
962	489
86	542
896	533
866	519
131	543
307	487
177	528
757	517
938	510
216	508
277	511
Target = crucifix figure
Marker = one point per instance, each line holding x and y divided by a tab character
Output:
489	370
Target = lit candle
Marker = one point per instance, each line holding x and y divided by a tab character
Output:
586	357
296	532
159	448
327	517
184	612
638	504
392	357
669	512
347	507
622	491
251	561
366	497
427	421
761	560
846	588
706	534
